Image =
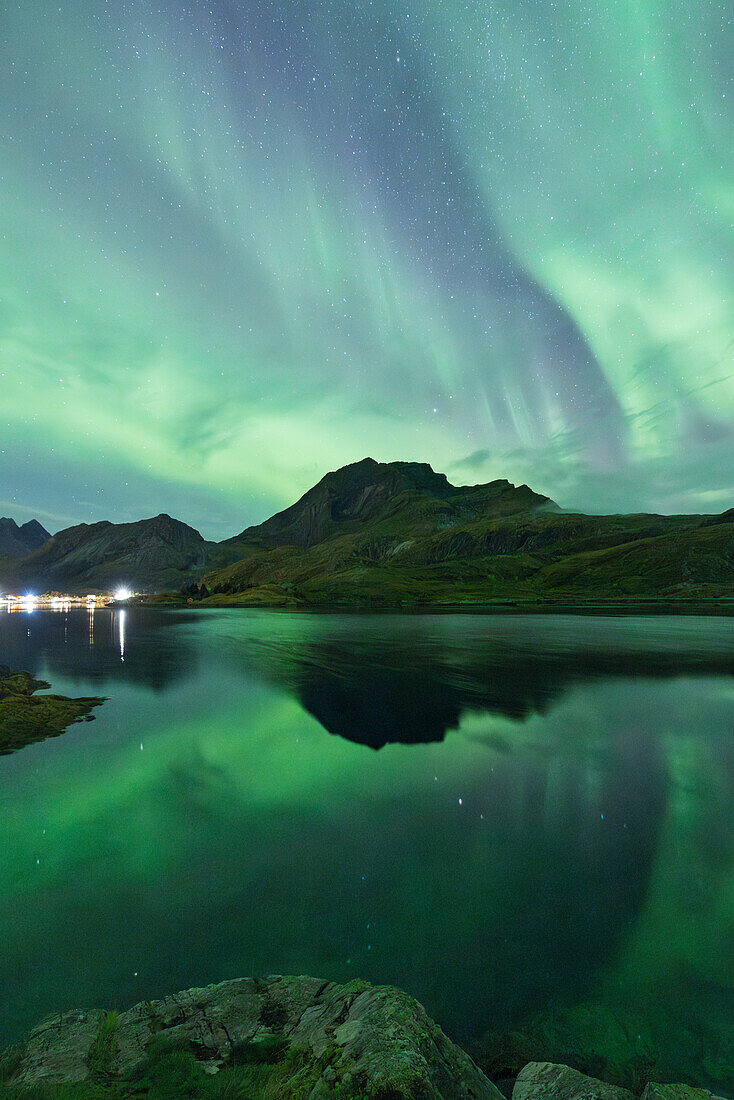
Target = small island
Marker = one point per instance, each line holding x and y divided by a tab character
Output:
26	717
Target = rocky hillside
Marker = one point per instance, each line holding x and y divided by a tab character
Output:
146	556
399	493
17	541
288	1038
396	534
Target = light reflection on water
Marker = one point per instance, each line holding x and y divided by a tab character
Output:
545	831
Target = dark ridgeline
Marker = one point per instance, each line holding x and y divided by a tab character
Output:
399	534
17	541
368	492
148	556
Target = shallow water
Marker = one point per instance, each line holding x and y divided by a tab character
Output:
523	821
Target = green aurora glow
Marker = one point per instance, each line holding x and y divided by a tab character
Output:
244	244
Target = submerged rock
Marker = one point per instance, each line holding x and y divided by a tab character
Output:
353	1040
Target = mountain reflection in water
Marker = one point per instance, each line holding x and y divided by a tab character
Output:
411	689
546	830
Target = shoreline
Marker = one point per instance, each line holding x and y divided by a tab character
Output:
704	608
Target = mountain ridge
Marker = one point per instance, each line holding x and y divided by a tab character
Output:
146	555
398	534
16	540
361	490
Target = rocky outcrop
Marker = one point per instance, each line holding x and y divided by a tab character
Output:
297	1038
26	717
362	1040
656	1091
546	1081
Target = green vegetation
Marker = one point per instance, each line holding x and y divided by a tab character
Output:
102	1052
399	535
172	1072
536	559
26	717
10	1062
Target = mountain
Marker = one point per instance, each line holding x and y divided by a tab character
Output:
397	533
146	556
397	493
17	541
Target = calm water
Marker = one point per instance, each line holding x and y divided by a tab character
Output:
517	819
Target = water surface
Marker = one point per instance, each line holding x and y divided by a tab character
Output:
523	821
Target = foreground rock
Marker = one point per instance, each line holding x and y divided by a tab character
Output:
546	1081
351	1041
551	1082
655	1091
26	717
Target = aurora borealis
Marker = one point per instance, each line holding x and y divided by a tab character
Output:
245	243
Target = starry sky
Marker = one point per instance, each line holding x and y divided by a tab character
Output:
243	243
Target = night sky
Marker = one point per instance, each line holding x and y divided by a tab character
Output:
244	243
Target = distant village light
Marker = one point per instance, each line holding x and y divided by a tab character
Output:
122	594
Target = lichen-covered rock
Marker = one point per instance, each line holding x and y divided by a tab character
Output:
361	1040
57	1049
655	1091
546	1081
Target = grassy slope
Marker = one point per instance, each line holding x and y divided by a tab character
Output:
424	552
172	1072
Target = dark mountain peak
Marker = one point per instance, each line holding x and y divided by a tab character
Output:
358	491
16	541
367	463
396	476
369	492
147	554
167	527
34	533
